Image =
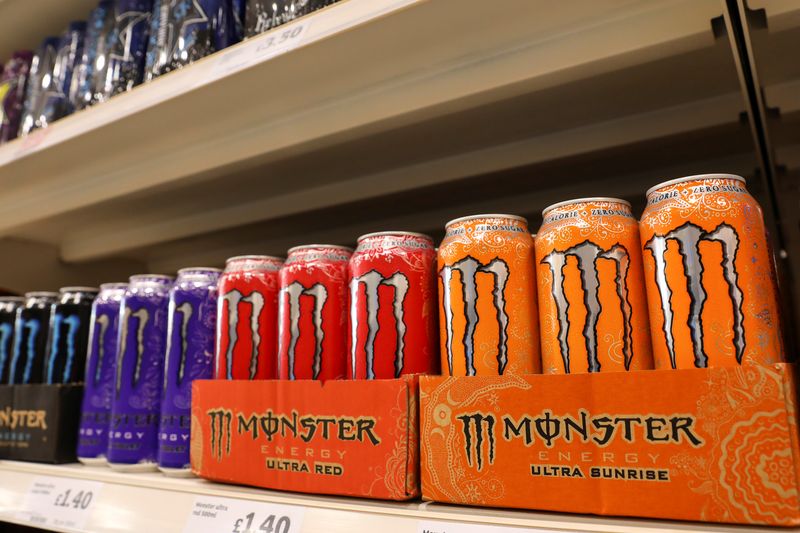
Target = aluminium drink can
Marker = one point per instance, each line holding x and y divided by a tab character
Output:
709	273
127	47
31	330
98	389
139	373
191	334
9	305
264	15
39	80
312	313
247	320
13	84
488	315
81	92
69	335
56	95
592	304
393	315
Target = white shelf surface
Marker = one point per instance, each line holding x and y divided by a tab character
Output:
379	103
152	502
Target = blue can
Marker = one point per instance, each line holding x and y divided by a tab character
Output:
128	46
56	93
81	93
9	305
69	335
239	8
139	374
156	47
31	331
98	389
40	75
191	335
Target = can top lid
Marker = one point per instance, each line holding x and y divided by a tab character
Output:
79	289
696	177
12	299
491	215
585	200
41	294
533	235
265	258
311	246
113	286
394	234
152	277
199	270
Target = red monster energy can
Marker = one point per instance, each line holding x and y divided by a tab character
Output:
312	315
393	326
247	323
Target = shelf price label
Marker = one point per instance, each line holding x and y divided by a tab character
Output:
59	502
263	47
229	515
436	526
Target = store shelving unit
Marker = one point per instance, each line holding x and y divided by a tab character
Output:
152	502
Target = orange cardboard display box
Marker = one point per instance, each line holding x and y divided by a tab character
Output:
354	438
717	445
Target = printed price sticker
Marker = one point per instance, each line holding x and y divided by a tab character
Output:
262	47
59	502
228	515
455	527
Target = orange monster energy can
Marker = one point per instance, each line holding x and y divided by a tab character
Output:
709	274
487	297
592	302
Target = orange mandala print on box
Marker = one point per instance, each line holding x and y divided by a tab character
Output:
592	303
487	297
709	274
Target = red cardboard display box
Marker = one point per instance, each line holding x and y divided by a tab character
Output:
717	445
353	438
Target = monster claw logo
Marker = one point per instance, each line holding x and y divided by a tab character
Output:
73	322
5	345
184	309
102	322
689	236
32	326
587	254
372	282
221	420
474	425
142	316
469	268
294	291
256	301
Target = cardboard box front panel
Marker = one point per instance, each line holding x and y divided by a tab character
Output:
355	438
8	433
715	445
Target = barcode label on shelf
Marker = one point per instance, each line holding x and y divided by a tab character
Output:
435	526
263	47
228	515
59	502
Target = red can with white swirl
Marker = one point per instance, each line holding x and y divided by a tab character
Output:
393	306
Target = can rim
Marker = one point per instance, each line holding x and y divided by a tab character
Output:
199	269
608	199
695	177
154	277
113	285
264	258
12	298
39	294
394	233
487	215
309	246
78	289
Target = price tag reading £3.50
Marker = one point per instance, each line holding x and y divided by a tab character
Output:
229	515
59	502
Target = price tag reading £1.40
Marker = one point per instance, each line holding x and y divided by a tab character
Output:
59	502
229	515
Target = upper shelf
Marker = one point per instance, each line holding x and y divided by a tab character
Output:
383	116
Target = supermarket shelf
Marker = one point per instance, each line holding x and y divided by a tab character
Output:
231	160
151	502
24	23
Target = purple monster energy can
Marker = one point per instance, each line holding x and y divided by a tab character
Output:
8	315
190	355
99	381
133	434
69	335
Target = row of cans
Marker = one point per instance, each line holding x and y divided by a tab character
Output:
122	44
